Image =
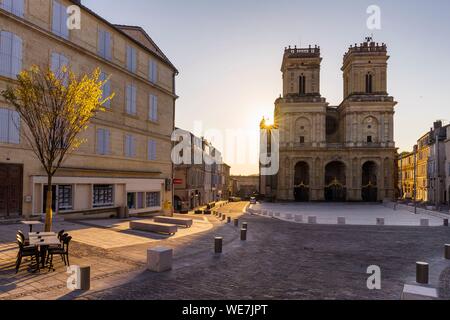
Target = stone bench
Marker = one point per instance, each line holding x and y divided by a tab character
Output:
178	221
150	226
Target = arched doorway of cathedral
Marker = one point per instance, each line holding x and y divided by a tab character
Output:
369	186
301	182
335	182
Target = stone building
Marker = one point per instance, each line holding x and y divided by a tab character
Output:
406	173
245	186
335	153
447	165
197	184
126	160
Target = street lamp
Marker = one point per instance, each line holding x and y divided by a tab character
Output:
415	178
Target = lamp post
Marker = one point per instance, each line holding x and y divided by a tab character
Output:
415	178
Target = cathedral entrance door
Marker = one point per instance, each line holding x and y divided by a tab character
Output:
369	189
301	180
335	179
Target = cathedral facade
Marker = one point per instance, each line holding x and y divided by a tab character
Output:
335	153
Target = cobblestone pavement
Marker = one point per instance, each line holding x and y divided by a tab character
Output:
282	260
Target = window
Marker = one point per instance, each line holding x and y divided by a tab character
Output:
130	146
369	82
131	99
104	44
131	200
153	112
103	196
302	84
59	22
152	150
153	71
302	139
131	59
103	137
13	6
369	139
106	89
10	54
153	199
9	126
65	197
58	62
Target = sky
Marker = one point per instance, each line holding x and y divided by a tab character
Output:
229	54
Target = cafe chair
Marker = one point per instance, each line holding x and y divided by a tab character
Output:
24	251
61	251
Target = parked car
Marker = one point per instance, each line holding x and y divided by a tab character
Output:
252	200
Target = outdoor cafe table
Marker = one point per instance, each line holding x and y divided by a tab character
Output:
31	224
43	241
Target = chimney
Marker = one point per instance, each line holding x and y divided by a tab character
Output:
437	124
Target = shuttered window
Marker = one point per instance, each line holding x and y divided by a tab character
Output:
131	59
103	139
13	6
104	44
130	146
59	22
10	54
153	71
58	62
9	126
106	89
153	108
131	95
152	150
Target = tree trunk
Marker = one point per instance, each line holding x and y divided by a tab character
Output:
48	209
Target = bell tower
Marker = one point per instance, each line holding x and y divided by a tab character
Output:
365	69
301	72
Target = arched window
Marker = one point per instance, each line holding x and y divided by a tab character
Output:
302	85
369	83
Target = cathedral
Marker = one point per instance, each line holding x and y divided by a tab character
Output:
334	153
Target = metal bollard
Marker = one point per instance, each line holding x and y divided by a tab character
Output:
243	234
224	217
218	244
245	225
236	222
229	220
220	214
447	251
422	272
445	222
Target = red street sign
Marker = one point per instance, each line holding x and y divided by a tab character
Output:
177	181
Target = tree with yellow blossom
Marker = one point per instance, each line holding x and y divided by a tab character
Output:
55	108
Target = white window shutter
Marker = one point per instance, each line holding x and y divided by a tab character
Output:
55	63
134	97
4	124
64	17
18	7
134	60
133	146
101	43
155	72
108	49
107	140
7	5
56	22
129	58
100	141
14	127
16	56
155	108
6	53
128	99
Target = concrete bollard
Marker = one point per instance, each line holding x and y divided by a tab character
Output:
236	222
277	215
341	221
218	241
243	234
299	219
229	220
84	282
159	259
447	251
224	217
445	222
422	272
312	220
424	222
220	214
288	216
271	214
380	222
245	225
